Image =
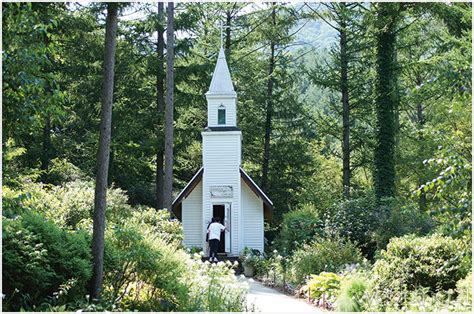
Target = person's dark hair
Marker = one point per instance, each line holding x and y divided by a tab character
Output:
214	219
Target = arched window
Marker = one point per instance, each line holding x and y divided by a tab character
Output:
221	115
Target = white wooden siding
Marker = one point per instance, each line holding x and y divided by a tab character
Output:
230	111
252	219
192	218
221	161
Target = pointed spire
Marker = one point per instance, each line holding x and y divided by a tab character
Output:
221	82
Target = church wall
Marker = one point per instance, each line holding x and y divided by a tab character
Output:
221	161
192	218
252	219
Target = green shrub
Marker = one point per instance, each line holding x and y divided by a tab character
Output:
143	271
38	258
69	205
323	288
350	297
325	254
371	225
411	263
297	228
399	218
158	223
61	171
356	219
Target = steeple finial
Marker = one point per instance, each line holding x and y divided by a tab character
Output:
222	27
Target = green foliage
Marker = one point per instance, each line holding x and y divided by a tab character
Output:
62	171
142	271
39	257
252	258
324	286
323	254
356	219
214	288
158	223
371	225
409	263
399	218
298	227
464	290
71	204
350	297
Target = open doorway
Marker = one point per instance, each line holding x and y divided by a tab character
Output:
218	211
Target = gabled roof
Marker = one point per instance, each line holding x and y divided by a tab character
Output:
267	203
221	83
188	188
254	187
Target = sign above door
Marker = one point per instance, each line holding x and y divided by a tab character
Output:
221	191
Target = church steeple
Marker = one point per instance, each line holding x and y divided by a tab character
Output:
221	82
221	97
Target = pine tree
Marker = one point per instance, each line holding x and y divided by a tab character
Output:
100	201
160	76
387	98
168	183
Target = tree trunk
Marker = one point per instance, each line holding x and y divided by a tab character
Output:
160	101
104	150
227	34
421	180
46	149
269	111
346	171
386	101
168	186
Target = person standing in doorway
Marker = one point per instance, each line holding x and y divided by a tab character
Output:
214	231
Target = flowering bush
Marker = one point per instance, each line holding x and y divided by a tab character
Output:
213	287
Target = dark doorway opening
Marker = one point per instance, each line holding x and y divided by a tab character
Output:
218	212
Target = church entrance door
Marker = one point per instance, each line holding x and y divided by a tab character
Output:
221	211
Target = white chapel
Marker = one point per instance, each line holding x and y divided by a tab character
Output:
221	188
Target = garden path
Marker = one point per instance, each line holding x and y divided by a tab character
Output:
267	299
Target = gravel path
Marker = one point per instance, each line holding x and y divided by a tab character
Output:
266	299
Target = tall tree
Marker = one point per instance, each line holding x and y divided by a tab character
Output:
100	200
160	100
168	183
269	105
387	98
344	75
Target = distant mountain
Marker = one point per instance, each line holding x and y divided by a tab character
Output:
315	34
